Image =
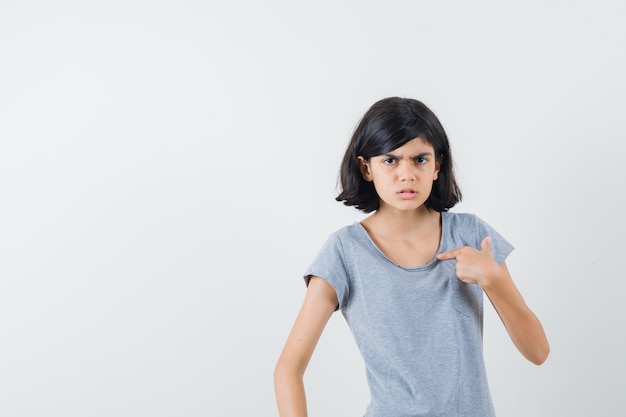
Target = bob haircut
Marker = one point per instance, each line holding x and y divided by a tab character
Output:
387	125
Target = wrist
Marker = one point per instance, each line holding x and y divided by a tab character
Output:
494	278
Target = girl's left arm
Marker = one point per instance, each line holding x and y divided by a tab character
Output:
524	328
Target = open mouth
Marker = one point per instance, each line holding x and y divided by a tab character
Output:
407	193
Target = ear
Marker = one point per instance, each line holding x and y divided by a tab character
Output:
437	169
364	167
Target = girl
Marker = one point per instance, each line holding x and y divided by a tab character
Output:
409	279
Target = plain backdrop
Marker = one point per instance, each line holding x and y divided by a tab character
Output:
168	170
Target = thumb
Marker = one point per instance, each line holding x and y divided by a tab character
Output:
485	246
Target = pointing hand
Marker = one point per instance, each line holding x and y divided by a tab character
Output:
473	266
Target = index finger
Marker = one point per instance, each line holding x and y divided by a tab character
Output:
448	255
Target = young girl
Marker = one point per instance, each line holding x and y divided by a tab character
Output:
409	279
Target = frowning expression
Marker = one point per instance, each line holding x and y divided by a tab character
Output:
403	178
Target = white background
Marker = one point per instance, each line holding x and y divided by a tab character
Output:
168	170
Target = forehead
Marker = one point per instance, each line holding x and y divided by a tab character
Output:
414	146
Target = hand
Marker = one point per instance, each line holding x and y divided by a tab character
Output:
473	266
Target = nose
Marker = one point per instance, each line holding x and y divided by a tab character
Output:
406	171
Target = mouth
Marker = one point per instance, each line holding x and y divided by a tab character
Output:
407	193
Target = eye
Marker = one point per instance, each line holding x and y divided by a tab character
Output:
420	160
389	161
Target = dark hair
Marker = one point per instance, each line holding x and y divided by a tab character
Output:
387	125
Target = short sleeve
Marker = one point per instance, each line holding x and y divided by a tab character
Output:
329	264
500	247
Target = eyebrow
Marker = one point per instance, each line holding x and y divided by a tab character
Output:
419	155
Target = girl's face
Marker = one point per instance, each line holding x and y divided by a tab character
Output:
403	178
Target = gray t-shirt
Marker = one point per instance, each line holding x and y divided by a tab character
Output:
419	329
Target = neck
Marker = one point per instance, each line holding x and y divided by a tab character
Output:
405	223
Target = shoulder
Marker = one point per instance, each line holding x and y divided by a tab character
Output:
347	233
342	240
466	222
461	229
469	229
460	219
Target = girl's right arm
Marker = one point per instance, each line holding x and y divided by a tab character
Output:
319	304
